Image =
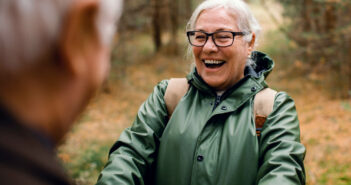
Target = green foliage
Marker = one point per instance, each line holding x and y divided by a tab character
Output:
88	164
346	105
128	51
278	46
322	31
337	174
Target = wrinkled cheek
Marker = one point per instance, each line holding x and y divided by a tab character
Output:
196	53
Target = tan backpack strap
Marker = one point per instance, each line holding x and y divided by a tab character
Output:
176	89
263	106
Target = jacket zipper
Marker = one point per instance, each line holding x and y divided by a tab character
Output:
217	101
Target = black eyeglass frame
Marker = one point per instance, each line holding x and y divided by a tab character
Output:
188	33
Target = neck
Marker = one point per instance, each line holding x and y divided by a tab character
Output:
44	104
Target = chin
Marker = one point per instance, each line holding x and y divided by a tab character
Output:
217	85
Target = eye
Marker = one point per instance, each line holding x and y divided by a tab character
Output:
200	36
223	35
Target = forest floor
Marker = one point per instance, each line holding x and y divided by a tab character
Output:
325	123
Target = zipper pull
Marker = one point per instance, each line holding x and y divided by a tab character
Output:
217	101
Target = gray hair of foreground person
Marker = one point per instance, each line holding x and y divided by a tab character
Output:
54	57
29	27
244	18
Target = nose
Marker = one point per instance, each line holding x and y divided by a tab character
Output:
210	46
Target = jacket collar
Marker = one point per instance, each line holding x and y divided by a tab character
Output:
243	90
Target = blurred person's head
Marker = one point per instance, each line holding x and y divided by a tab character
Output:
222	35
54	56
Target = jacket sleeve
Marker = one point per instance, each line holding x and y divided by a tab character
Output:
281	152
133	155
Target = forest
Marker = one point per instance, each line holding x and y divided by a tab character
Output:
309	40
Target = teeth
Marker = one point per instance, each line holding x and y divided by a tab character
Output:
213	61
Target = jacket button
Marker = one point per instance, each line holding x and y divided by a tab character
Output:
200	158
253	89
224	108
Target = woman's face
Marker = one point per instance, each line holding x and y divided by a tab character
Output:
231	59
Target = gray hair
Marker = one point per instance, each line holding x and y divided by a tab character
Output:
245	19
30	28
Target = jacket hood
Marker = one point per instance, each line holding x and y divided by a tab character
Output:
263	64
258	71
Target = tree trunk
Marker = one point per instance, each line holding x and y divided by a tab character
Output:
318	17
188	9
331	20
173	8
307	4
348	59
156	24
348	78
330	17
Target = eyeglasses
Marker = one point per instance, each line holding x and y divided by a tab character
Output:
219	38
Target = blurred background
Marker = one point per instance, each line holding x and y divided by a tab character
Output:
309	40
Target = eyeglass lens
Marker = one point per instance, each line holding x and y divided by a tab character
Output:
199	38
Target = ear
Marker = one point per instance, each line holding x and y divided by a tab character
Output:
251	44
79	38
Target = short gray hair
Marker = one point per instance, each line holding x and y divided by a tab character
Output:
245	19
31	28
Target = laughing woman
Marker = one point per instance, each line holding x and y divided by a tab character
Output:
210	137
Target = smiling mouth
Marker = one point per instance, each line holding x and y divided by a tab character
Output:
213	63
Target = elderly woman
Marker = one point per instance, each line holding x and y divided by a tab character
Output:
210	138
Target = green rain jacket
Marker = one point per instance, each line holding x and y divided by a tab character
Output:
210	140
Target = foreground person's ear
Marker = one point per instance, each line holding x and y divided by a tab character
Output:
80	37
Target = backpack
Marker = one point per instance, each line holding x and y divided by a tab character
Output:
263	101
